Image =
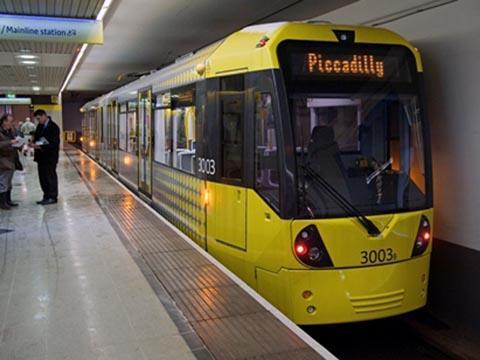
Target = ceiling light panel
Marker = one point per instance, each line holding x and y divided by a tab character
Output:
73	8
27	56
29	62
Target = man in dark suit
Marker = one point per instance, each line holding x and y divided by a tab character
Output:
46	143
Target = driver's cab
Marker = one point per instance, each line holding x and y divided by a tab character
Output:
369	149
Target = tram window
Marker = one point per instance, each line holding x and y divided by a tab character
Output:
184	138
122	143
102	125
417	160
183	129
232	116
163	136
266	152
342	115
200	108
386	173
132	132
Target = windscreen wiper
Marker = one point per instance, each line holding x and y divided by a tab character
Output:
346	205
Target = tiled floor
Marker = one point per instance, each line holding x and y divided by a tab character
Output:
218	317
68	287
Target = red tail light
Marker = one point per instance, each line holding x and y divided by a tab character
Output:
309	248
423	238
301	249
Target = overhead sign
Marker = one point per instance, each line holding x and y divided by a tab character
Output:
15	101
33	28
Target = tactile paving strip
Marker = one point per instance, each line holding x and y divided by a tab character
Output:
231	324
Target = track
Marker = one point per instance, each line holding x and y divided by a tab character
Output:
387	339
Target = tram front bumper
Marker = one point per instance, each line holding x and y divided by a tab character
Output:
348	295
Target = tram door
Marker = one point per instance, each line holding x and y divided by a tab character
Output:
227	219
145	142
113	135
98	133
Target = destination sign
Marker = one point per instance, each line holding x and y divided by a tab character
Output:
333	63
365	64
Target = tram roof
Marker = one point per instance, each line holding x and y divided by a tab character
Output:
240	52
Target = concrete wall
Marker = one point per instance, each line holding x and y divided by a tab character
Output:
448	37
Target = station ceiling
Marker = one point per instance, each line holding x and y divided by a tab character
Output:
87	9
54	59
139	36
145	34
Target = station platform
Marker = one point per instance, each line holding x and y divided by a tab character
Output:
100	275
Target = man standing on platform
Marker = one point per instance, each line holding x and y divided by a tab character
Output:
46	142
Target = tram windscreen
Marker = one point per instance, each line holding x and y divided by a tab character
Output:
361	134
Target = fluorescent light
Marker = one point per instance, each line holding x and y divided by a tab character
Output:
25	50
74	66
32	75
30	67
100	16
27	57
36	88
28	62
104	9
34	81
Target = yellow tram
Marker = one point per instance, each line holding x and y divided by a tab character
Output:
297	154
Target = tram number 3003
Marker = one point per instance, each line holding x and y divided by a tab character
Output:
206	166
378	256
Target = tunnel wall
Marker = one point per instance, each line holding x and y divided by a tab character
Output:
448	39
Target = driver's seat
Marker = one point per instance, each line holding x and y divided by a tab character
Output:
324	159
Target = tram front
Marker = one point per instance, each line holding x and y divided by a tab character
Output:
362	228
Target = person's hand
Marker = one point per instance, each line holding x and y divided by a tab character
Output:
14	141
35	146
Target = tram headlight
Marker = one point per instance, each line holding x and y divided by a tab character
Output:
310	249
423	238
315	253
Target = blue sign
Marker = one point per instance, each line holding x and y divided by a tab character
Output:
33	28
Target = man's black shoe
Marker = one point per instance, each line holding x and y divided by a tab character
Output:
41	202
48	201
8	197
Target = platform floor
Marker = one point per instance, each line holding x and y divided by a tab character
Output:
69	289
99	276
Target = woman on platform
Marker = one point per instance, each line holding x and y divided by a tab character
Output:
8	155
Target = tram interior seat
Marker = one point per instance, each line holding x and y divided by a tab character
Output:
186	160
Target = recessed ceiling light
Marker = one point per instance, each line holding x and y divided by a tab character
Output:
27	57
25	50
28	62
34	81
36	88
32	75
